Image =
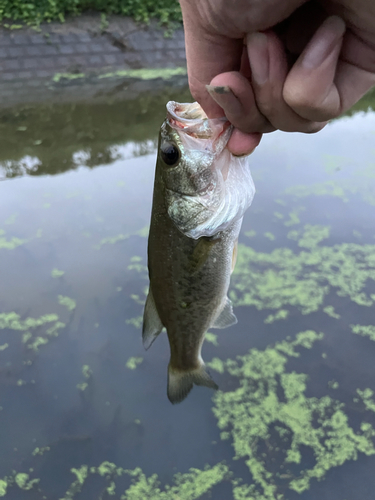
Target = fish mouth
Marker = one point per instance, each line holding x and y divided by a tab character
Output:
192	120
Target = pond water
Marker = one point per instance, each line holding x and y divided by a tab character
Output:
83	408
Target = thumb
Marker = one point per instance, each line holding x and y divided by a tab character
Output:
208	54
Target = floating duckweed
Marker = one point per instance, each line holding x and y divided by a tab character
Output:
143	232
86	371
56	273
251	412
293	217
281	278
282	314
22	481
111	240
40	451
311	235
3	487
328	188
333	384
12	321
136	322
189	486
136	265
250	234
217	365
211	338
133	362
68	302
365	331
10	244
270	236
330	310
367	398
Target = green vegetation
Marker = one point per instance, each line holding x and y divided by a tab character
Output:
269	429
32	335
189	486
133	362
36	11
284	278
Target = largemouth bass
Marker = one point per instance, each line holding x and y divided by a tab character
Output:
201	193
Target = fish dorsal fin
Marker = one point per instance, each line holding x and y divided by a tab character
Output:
152	325
226	317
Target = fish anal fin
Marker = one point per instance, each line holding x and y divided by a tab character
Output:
226	317
180	383
152	325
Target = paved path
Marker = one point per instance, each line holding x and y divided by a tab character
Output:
66	60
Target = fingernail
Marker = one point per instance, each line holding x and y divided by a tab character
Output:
224	97
319	50
257	49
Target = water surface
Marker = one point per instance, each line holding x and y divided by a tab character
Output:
83	408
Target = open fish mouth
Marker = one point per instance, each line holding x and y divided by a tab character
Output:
192	120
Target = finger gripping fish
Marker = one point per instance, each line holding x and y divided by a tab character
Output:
201	193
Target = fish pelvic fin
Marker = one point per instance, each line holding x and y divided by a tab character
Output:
180	383
226	317
152	324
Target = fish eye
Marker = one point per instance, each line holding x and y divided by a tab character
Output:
170	154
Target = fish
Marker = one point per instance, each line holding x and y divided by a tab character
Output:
201	192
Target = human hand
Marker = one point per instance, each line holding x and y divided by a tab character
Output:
298	67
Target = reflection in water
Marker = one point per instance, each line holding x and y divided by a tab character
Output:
82	407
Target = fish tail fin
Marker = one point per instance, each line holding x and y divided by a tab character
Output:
180	383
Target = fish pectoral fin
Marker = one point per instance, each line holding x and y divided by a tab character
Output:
152	325
234	256
180	383
226	317
201	252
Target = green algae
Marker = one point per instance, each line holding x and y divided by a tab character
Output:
330	310
282	314
303	280
133	362
40	451
111	240
294	216
136	322
327	188
67	76
365	331
136	265
146	73
143	233
310	236
188	486
250	234
253	414
87	374
68	302
3	347
3	487
12	321
367	398
56	273
270	236
10	244
216	364
211	338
